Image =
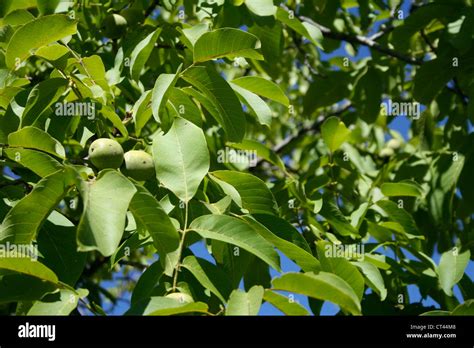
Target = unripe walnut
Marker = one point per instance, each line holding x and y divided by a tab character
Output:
138	165
106	153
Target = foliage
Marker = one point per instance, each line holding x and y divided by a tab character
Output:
274	132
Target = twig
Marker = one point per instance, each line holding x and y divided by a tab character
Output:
312	128
181	247
385	29
278	148
362	40
79	60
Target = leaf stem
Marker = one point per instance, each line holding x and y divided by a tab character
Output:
181	247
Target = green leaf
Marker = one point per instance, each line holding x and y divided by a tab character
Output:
60	303
226	42
41	97
163	85
25	218
403	188
93	66
141	53
255	196
257	273
57	245
341	267
451	268
37	139
431	77
134	242
38	162
17	17
367	95
166	306
47	6
307	30
263	87
373	278
102	223
327	91
19	287
193	33
142	111
149	214
109	114
7	6
233	260
270	33
323	286
283	229
37	33
261	7
399	215
301	257
256	104
210	276
336	219
467	308
181	158
6	96
184	107
229	111
261	150
402	36
435	313
147	282
448	171
245	303
334	133
29	267
236	232
284	304
52	52
113	75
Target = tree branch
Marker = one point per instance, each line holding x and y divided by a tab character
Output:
314	127
385	29
362	40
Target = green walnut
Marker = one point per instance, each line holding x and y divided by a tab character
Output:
114	26
106	153
394	144
181	297
386	152
138	165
